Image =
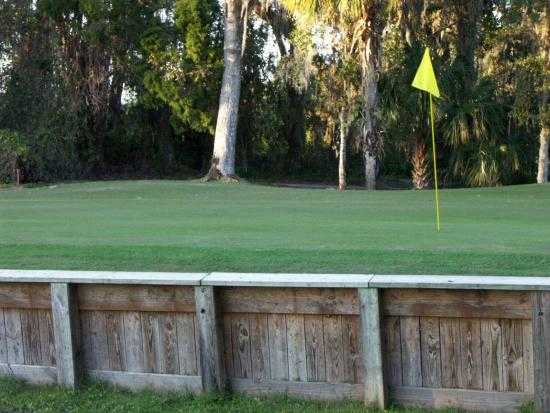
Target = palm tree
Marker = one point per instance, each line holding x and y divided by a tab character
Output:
362	19
223	158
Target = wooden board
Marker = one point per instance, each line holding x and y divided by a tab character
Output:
512	346
315	348
430	345
460	303
289	300
136	298
185	323
307	390
259	347
133	339
278	347
392	350
149	381
25	296
410	350
32	374
451	369
240	334
296	347
116	340
473	400
491	355
332	327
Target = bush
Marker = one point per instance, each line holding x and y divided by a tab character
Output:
13	152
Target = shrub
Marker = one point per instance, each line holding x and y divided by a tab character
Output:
13	152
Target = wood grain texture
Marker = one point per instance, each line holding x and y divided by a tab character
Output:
116	341
512	344
332	328
228	344
47	340
211	340
315	348
528	369
473	400
185	323
240	334
307	390
25	296
470	355
30	327
451	369
259	347
278	347
371	339
296	347
14	336
66	332
460	303
410	351
289	300
354	371
98	340
431	352
492	356
151	342
136	298
133	342
392	351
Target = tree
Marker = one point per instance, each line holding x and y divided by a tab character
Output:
363	20
542	173
225	138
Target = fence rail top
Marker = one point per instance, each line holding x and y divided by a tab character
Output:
288	280
466	282
101	277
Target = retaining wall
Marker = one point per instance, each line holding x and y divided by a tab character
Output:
478	343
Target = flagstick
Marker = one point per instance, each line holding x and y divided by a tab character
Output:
435	166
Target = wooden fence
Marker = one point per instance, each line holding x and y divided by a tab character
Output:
478	343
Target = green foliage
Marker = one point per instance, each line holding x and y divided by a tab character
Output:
185	62
13	152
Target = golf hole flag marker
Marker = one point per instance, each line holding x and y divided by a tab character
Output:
425	80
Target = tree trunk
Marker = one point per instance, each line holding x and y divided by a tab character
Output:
419	163
542	175
342	152
223	158
371	138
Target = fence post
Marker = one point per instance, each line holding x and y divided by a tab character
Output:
541	350
210	340
65	327
371	339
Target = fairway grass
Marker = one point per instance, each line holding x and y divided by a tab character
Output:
191	226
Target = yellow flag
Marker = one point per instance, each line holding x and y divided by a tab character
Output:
425	76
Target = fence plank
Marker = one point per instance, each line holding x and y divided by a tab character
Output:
375	392
133	340
240	334
431	351
259	347
315	348
392	349
296	347
14	336
410	350
512	343
98	339
47	341
289	300
30	327
278	347
136	298
332	327
66	333
185	324
352	349
211	340
457	303
470	332
151	342
451	369
528	375
25	296
491	355
228	344
115	340
168	355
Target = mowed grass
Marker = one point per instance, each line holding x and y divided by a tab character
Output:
17	397
192	226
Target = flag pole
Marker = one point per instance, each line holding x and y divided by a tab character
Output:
435	166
